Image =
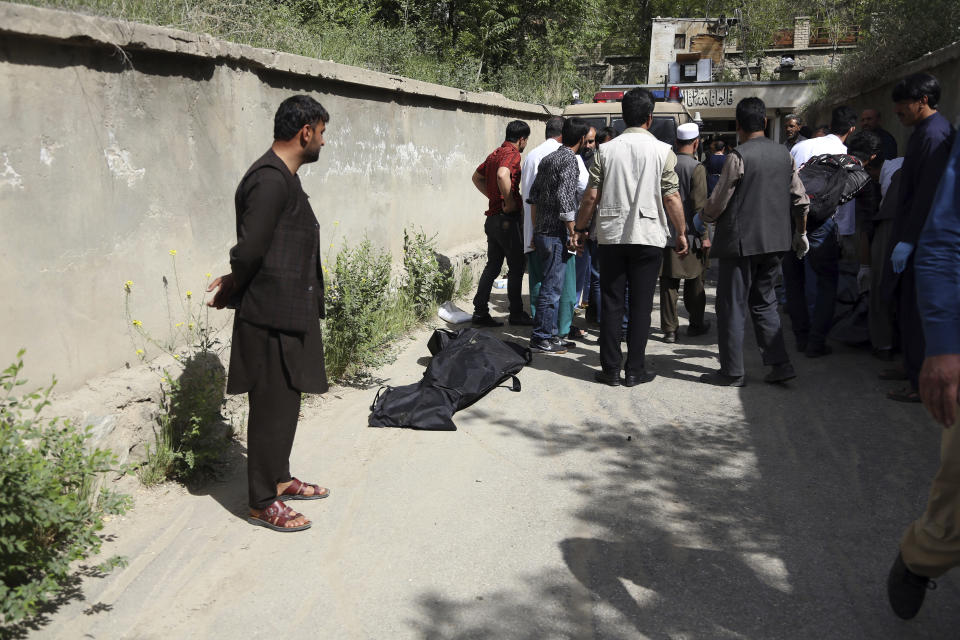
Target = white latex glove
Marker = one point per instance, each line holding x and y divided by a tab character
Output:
863	278
800	244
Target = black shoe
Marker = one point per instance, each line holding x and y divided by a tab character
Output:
906	589
720	379
547	346
670	337
612	379
813	351
576	333
883	354
780	373
566	344
698	330
632	380
801	344
485	321
522	320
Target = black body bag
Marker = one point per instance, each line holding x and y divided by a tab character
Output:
466	365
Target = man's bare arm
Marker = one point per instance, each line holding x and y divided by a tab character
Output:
587	206
503	183
479	182
674	206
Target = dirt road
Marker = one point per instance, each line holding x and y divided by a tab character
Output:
568	510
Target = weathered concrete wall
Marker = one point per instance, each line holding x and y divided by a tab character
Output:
123	141
943	63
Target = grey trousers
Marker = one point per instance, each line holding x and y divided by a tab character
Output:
745	286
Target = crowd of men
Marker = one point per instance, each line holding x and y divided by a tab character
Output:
604	218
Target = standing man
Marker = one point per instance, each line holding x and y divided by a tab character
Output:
812	321
583	261
553	210
870	121
635	181
498	178
931	545
276	286
689	268
792	124
916	99
758	193
531	165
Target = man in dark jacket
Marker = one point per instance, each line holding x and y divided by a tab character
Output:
928	149
276	287
757	194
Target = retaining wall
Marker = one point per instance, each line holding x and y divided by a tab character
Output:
123	141
943	63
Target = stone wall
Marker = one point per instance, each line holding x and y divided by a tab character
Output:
124	141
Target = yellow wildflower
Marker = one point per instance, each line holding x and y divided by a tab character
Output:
208	275
331	245
140	352
137	323
173	252
178	325
189	293
190	326
128	285
176	356
336	222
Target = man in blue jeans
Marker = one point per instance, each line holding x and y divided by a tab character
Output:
553	200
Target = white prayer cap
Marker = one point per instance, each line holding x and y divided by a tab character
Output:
689	131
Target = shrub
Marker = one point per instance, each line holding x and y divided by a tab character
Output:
427	283
190	436
359	305
52	508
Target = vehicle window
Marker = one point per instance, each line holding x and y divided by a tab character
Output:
597	122
619	125
665	129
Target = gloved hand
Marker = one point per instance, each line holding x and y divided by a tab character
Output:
698	224
901	253
800	244
863	278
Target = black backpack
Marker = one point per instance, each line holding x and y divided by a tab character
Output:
466	365
830	181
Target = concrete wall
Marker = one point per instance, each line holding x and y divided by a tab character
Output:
943	63
123	141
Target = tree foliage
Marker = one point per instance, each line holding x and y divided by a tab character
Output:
531	50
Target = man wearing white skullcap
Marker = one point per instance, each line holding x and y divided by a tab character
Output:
690	267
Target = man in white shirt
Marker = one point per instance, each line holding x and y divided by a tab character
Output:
811	283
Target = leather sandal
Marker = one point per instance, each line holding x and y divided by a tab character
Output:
906	394
276	516
295	491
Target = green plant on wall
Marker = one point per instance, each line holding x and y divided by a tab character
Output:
190	435
52	507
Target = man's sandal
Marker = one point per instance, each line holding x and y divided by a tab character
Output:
295	491
276	516
905	394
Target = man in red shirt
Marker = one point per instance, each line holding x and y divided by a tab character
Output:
498	178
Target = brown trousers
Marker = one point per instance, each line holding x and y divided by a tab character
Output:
931	545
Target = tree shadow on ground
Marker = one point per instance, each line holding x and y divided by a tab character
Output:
775	516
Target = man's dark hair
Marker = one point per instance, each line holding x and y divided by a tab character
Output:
637	106
825	128
916	86
606	135
842	120
806	131
793	116
554	127
751	114
516	130
717	145
295	112
864	144
573	130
